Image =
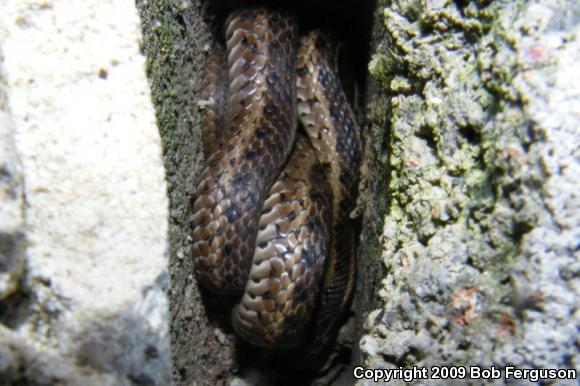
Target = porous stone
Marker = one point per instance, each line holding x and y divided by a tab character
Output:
93	294
480	237
11	206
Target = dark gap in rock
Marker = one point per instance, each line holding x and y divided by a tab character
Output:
471	134
426	133
508	190
519	230
530	136
461	3
349	20
15	308
181	21
464	345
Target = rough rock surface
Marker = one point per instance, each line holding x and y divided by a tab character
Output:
91	306
480	238
11	206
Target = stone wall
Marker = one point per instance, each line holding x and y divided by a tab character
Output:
478	105
83	199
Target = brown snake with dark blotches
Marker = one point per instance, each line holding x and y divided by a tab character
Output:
271	216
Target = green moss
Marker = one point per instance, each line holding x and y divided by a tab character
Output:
380	68
166	42
443	161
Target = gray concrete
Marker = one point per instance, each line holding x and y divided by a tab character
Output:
480	239
95	205
11	205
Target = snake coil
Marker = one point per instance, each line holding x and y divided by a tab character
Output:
271	218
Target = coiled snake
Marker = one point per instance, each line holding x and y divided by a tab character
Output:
271	218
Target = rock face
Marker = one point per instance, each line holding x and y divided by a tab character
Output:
87	216
12	209
480	237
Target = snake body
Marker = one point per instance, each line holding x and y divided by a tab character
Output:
271	214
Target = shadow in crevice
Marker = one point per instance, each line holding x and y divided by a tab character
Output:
350	21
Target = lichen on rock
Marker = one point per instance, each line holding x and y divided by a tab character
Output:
471	128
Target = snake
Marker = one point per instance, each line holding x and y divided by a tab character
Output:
271	219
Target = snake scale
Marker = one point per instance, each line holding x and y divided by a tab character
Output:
271	211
